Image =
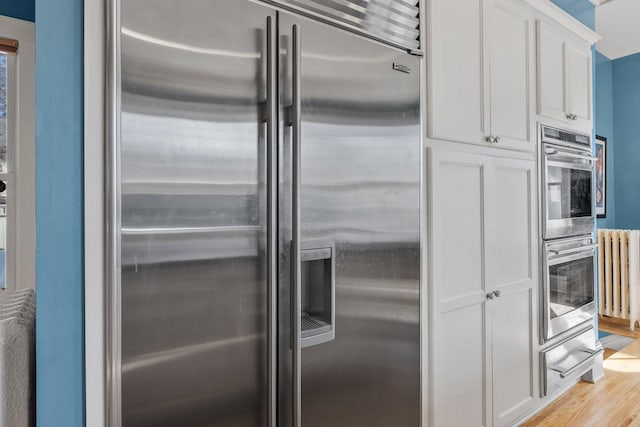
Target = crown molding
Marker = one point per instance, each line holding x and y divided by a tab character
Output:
555	13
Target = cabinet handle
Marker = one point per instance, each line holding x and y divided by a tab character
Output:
572	117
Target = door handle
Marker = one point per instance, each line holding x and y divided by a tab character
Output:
568	154
564	373
556	252
272	220
296	310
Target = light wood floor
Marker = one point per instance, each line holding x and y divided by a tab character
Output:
611	402
617	326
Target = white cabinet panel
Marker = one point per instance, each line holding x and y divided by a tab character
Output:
461	215
511	236
483	263
579	82
457	297
510	63
551	72
512	270
513	358
455	92
479	72
459	377
564	77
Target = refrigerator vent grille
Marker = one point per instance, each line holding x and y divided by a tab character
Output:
396	22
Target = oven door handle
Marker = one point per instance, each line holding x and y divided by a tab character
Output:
575	155
573	250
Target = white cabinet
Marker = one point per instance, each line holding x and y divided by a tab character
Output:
480	63
564	76
483	275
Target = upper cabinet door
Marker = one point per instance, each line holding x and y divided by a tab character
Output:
511	41
551	72
578	60
456	71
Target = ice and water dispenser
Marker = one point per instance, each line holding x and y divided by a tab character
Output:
317	293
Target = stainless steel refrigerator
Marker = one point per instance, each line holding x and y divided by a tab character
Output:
264	220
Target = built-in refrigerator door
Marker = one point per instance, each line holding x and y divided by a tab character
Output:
349	233
190	307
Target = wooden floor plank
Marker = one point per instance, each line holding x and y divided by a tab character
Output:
612	401
617	327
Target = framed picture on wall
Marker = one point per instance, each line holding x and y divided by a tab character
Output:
601	176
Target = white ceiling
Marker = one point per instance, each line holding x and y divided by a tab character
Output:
617	23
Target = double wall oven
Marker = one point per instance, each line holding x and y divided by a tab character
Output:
569	255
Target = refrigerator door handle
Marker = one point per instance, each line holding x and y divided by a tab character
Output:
295	228
272	218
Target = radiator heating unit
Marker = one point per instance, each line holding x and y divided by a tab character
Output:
619	275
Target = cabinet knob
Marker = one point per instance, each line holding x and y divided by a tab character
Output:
490	295
497	293
492	139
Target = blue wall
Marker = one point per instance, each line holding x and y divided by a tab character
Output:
604	126
59	213
21	9
626	113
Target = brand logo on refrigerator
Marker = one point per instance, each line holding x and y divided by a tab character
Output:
401	68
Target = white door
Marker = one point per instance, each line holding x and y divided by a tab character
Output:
511	43
456	72
512	273
551	72
458	336
578	63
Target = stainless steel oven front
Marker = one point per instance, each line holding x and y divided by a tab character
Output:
568	291
567	191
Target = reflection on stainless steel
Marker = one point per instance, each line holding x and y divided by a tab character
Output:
360	189
568	288
205	169
194	313
567	183
565	362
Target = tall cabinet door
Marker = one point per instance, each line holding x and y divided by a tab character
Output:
460	395
457	99
512	276
193	285
552	95
579	70
511	42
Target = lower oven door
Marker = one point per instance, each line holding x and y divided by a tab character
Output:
568	192
569	285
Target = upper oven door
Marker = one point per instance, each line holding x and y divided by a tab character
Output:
569	285
568	194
